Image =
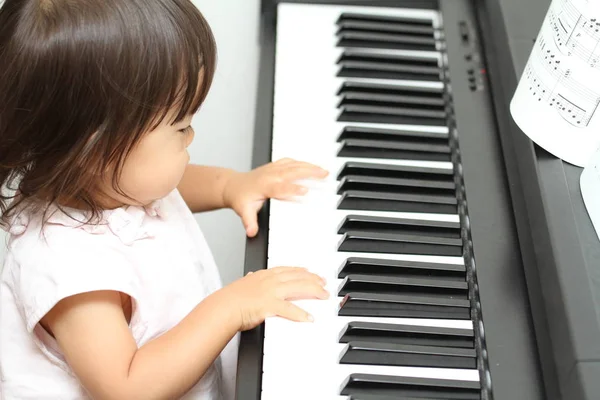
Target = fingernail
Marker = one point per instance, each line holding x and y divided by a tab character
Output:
310	318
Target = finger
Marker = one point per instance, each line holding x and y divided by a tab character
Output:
290	311
283	269
300	274
286	191
284	161
302	171
302	289
250	220
304	163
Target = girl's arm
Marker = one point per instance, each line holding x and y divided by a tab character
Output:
202	187
93	334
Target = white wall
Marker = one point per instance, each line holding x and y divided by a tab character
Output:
224	127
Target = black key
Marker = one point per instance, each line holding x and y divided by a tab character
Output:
347	16
387	66
381	70
391	115
359	132
378	266
437	175
447	288
407	334
378	40
357	25
382	201
396	150
376	242
397	90
393	100
397	185
421	61
398	386
400	226
403	306
394	354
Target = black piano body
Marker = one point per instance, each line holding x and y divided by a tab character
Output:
538	257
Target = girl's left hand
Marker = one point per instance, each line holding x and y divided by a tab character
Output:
246	192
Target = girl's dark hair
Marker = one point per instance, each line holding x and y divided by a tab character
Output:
81	81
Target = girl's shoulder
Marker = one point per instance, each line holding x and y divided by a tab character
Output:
64	226
63	238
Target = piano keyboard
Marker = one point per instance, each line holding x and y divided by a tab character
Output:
361	92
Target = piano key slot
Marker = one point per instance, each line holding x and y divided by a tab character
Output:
350	16
384	201
400	226
413	387
384	66
437	175
390	100
356	132
402	355
396	150
407	334
452	289
379	266
376	26
392	115
377	242
397	186
392	90
381	305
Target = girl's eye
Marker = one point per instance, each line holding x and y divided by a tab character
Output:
185	130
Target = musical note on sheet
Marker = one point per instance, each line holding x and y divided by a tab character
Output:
557	100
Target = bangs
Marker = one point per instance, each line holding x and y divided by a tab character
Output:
170	54
181	69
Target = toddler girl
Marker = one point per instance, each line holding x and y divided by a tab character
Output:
109	290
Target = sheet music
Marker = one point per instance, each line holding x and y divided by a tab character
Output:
557	100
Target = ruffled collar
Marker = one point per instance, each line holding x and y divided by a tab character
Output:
127	222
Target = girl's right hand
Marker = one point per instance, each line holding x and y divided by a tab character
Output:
269	292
